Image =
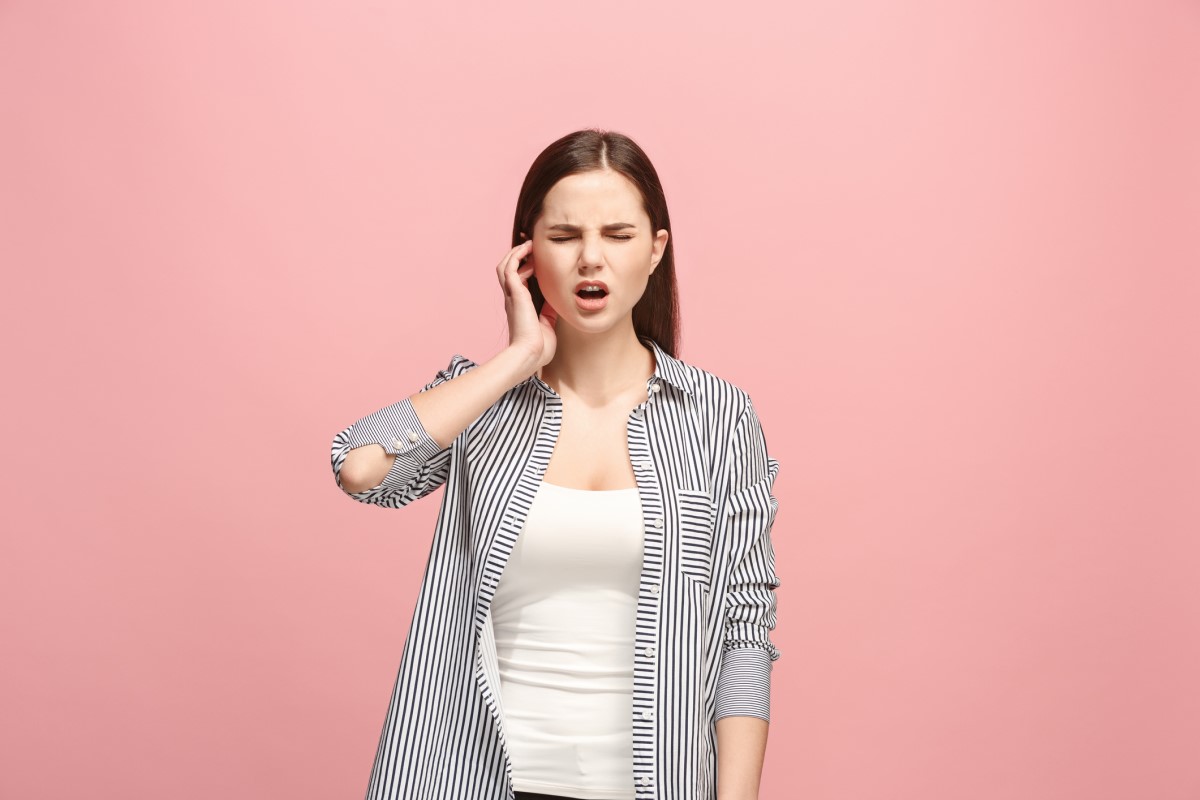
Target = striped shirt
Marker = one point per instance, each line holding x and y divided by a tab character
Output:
706	601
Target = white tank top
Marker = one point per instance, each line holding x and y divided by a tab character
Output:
563	615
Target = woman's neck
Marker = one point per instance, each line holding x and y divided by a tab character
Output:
598	367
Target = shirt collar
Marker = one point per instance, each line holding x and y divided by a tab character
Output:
666	368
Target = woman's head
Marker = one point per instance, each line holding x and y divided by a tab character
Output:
595	210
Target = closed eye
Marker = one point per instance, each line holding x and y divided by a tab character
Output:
622	237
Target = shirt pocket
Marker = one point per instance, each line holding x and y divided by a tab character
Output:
695	514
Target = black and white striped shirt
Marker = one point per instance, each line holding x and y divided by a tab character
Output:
706	603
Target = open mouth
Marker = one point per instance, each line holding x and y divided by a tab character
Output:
589	293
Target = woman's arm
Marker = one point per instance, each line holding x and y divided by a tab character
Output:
741	748
743	703
396	455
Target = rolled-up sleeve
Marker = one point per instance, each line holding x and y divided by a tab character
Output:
744	682
421	465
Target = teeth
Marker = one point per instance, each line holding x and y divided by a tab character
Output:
592	289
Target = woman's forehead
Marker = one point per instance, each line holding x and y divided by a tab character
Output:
593	199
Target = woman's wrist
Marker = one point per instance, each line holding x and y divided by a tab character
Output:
517	361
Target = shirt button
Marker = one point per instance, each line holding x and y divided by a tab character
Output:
649	651
658	523
412	436
399	444
644	780
655	388
648	714
655	589
644	463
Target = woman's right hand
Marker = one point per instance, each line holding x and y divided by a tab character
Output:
527	330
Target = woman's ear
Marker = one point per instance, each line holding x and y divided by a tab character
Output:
658	248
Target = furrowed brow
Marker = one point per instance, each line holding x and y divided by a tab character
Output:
612	226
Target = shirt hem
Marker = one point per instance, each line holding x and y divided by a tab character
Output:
590	793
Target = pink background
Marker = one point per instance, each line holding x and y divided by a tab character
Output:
951	249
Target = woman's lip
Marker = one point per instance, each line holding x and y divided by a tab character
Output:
591	303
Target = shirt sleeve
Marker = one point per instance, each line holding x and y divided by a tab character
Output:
744	681
421	466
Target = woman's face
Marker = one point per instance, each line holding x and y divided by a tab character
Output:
593	228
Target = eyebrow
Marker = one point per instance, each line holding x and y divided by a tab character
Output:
612	226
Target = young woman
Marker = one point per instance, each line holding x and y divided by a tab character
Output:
594	617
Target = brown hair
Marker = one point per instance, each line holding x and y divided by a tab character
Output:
656	314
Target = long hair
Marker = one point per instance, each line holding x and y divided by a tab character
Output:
656	314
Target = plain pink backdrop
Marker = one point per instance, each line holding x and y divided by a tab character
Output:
951	249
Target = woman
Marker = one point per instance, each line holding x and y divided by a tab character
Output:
594	617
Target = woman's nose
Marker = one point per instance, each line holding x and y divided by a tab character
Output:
591	254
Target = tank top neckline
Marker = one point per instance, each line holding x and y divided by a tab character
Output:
589	491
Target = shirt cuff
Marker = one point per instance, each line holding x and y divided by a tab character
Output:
398	430
744	684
